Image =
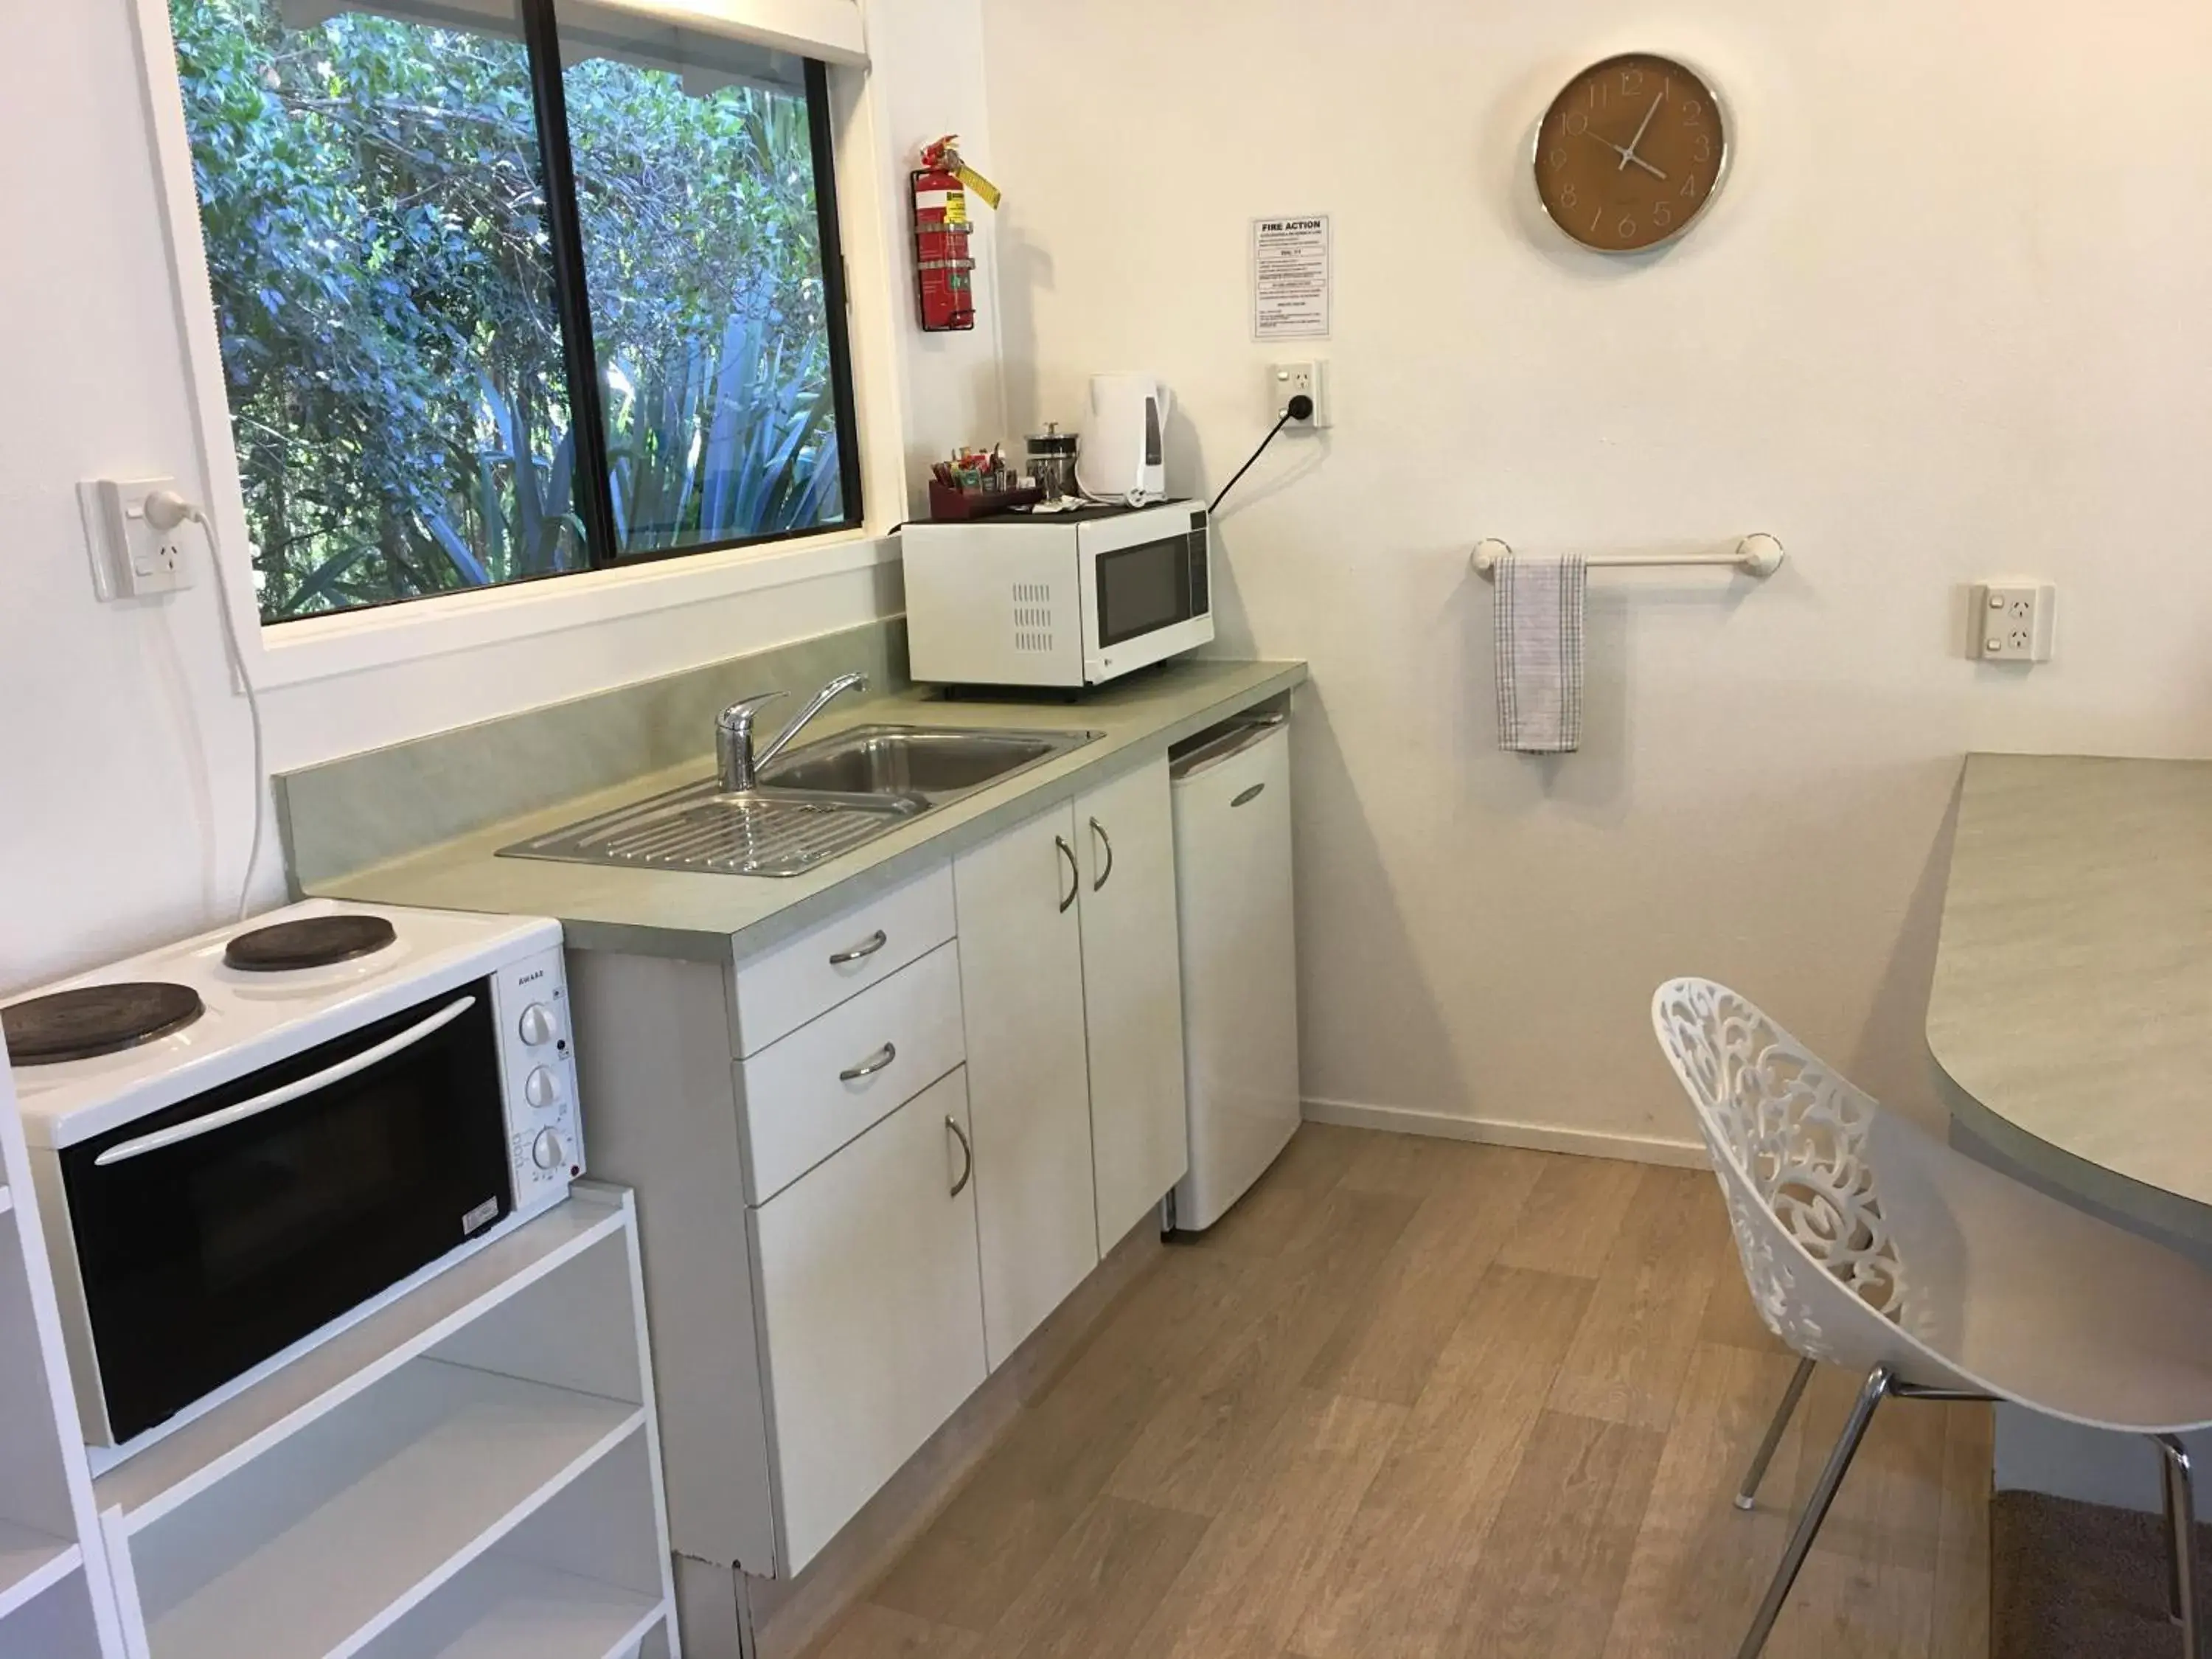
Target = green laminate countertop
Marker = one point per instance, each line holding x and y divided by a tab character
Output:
713	917
2071	1011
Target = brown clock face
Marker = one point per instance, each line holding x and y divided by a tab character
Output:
1630	153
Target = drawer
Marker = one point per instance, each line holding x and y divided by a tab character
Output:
775	993
797	1102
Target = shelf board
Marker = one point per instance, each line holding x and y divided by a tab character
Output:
319	1547
31	1562
504	1609
176	1468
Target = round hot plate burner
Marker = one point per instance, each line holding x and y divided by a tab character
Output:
96	1019
310	942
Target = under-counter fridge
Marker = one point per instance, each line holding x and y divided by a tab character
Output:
1240	976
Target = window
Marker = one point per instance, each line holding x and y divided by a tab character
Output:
509	288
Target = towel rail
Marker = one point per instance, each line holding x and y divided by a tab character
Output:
1758	555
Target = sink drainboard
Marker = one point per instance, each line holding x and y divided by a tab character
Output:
756	835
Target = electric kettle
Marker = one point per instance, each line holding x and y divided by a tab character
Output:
1124	456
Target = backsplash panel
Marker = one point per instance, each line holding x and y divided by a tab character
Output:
361	810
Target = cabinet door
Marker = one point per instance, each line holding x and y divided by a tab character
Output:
1132	996
870	1311
1021	972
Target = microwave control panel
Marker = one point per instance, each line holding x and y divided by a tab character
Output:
537	1063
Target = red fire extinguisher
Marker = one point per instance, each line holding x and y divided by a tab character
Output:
943	273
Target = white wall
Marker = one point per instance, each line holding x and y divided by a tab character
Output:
1945	322
126	775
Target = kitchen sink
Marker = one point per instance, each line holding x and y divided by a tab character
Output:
899	760
812	803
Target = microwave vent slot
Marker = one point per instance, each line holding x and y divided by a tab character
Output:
1033	617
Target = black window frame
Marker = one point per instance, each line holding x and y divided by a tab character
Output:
572	300
581	369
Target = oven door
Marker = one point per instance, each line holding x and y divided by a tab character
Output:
1147	591
215	1234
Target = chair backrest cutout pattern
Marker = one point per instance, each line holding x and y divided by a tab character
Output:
1797	1135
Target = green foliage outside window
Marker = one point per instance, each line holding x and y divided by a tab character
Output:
374	210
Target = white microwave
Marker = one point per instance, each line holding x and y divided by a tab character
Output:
1069	599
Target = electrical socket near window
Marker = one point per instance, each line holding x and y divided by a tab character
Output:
130	558
2014	621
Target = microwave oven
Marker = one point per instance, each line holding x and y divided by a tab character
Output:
216	1198
1057	601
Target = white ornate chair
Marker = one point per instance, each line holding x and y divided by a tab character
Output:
1870	1244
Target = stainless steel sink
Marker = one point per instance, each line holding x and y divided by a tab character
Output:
812	803
898	760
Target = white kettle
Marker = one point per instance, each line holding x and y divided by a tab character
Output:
1124	454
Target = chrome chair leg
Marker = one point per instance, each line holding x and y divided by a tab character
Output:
2180	1487
1875	1390
1747	1494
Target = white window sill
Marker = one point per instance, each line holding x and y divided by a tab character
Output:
325	647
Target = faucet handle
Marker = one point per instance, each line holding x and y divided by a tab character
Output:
738	716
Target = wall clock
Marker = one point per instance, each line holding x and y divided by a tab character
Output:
1630	153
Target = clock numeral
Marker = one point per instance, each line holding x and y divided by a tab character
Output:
1694	113
1600	92
1627	228
1704	149
1662	215
1558	155
1690	186
1576	132
1595	217
1570	197
1631	82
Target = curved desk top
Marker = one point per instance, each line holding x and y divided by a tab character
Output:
2071	1011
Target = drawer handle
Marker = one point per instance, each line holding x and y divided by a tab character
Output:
1249	795
967	1158
860	952
1074	875
873	1064
1106	842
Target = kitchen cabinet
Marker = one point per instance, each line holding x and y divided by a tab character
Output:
1132	996
1029	1090
825	1287
870	1309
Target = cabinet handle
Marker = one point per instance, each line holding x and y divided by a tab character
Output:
967	1158
860	952
1106	842
873	1064
1074	875
1249	795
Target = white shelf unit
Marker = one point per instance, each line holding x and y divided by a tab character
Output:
472	1472
54	1597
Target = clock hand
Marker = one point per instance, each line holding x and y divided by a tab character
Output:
1630	155
1627	156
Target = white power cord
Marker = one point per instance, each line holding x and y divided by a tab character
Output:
166	510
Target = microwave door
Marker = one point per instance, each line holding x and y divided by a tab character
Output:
213	1235
1146	602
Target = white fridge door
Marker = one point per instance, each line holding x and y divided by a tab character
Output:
1240	987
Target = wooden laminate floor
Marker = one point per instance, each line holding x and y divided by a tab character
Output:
1419	1398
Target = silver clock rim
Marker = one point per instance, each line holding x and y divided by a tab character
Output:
1720	105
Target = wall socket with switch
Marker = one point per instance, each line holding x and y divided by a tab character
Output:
1289	381
131	558
2014	621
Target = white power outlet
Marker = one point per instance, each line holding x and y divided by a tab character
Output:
130	556
2014	621
1288	380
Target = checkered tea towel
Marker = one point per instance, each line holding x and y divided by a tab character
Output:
1540	654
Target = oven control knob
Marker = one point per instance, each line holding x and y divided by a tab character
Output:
547	1152
539	1025
542	1087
